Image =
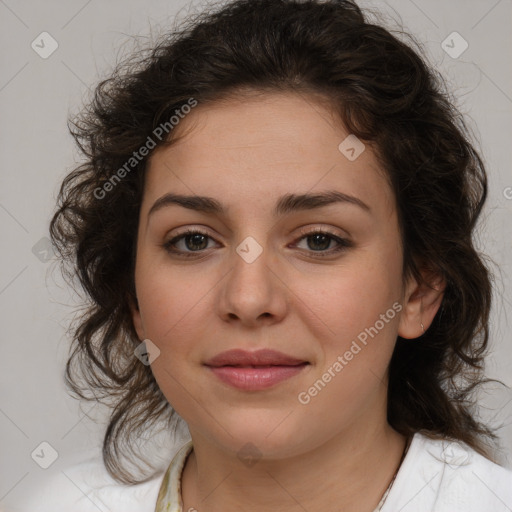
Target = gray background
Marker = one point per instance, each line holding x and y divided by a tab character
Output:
36	97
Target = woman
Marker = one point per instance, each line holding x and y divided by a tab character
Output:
274	225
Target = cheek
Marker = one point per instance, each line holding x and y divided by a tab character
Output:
362	309
173	306
363	289
177	304
167	298
361	306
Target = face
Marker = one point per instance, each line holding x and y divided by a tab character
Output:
257	277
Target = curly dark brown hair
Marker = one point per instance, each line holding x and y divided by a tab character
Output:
385	93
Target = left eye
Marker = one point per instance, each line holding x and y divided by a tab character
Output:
196	241
319	240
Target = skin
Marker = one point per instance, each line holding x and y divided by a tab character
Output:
337	452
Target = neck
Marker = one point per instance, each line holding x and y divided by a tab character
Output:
349	472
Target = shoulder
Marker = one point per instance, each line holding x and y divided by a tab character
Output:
449	476
88	487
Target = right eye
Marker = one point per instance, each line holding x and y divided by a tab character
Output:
193	239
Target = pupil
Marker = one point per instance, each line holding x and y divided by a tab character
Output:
325	239
195	238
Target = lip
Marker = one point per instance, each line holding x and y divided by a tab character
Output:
253	371
262	357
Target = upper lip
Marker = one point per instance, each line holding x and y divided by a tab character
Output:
263	357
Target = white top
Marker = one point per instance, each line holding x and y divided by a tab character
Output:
435	476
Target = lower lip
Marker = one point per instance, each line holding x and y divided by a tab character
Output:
254	379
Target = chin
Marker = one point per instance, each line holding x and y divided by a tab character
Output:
256	434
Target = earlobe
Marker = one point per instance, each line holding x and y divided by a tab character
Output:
421	303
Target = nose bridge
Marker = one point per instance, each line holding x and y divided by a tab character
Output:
250	249
251	288
251	265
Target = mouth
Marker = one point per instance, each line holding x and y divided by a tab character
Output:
255	371
257	365
263	358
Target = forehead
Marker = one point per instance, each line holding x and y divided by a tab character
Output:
251	148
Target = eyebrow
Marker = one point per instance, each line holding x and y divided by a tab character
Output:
286	204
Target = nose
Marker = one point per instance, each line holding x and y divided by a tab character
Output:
253	292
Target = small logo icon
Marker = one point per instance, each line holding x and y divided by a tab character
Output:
454	45
507	192
44	45
249	454
351	147
146	352
44	455
249	249
43	250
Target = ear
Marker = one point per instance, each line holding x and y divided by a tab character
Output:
136	317
421	303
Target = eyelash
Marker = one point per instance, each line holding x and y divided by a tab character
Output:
343	243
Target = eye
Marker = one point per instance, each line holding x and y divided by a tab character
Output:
192	239
317	240
194	242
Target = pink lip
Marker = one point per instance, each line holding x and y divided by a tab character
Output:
253	371
263	357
